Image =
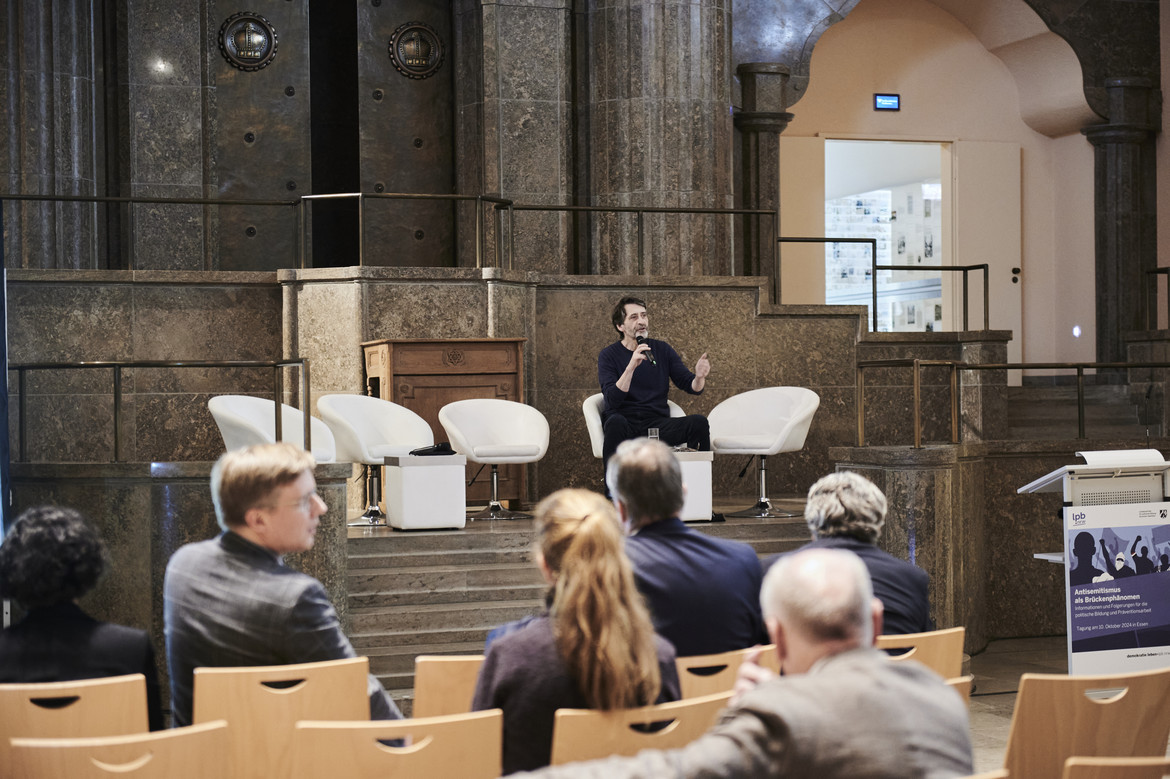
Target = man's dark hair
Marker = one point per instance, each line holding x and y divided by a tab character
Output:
619	311
51	555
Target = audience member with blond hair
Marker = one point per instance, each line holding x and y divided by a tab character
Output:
594	648
839	710
232	601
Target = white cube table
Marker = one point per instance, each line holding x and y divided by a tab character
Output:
426	492
696	475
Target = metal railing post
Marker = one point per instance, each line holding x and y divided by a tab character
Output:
306	406
954	403
917	405
278	401
873	284
478	231
511	238
986	297
22	388
301	233
117	413
966	323
860	399
641	242
1080	402
361	230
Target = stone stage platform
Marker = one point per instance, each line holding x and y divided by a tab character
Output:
441	591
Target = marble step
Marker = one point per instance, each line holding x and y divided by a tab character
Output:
448	595
398	578
400	660
415	641
460	557
421	618
514	535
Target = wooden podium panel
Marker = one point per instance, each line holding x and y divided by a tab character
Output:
425	375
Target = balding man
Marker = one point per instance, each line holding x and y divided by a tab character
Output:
703	592
847	511
840	709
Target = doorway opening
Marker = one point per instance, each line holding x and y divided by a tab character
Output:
891	191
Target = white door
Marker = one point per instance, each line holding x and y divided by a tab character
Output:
985	209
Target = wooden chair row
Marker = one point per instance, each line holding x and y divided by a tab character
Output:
1102	768
1056	717
255	722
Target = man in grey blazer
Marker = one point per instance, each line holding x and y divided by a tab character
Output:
231	600
840	709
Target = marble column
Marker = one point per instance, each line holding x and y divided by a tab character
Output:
763	118
514	124
1126	220
660	134
50	120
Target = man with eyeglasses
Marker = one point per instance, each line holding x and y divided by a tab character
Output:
231	601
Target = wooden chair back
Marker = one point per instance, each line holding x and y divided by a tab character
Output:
444	684
939	650
1000	774
586	734
1116	768
195	752
110	706
468	746
263	704
700	675
962	685
1058	716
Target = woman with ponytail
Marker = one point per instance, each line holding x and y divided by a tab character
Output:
595	648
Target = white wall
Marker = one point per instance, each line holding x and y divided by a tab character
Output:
954	89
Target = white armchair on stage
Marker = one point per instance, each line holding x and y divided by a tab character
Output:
368	430
695	466
763	422
245	421
495	432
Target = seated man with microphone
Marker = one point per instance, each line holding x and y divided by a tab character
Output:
635	374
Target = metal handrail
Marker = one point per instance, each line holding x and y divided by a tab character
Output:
1146	300
956	366
22	370
361	197
191	201
874	268
641	211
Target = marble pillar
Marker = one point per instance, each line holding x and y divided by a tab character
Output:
50	119
763	118
1126	218
660	134
514	124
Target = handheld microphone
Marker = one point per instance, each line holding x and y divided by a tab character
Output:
649	356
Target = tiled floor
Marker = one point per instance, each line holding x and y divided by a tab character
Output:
997	672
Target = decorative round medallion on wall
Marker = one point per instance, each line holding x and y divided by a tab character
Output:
247	41
416	50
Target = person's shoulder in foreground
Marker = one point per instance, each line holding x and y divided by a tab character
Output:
842	709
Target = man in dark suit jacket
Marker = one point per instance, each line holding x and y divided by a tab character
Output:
231	600
846	511
840	710
703	591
